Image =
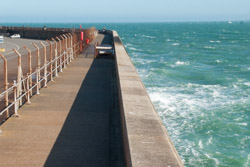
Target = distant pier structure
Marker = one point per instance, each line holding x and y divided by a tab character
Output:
72	97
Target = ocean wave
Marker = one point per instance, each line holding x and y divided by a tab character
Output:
191	109
218	61
147	36
209	47
248	161
233	41
175	44
179	63
214	41
247	83
134	49
242	124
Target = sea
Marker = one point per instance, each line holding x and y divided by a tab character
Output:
197	75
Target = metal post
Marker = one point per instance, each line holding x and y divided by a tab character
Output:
66	49
51	65
37	82
64	55
66	38
38	64
45	65
30	68
15	99
28	89
56	72
19	76
60	50
6	83
71	48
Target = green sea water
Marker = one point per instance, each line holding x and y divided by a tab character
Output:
198	77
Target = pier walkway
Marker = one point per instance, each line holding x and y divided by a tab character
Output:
73	122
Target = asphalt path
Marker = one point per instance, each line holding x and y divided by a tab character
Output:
10	44
18	44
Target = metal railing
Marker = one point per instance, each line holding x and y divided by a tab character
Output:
57	54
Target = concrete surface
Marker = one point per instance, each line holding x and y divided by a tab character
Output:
73	122
77	120
146	142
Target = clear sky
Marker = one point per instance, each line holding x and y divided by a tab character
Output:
123	10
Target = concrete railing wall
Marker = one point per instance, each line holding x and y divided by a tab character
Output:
145	139
43	33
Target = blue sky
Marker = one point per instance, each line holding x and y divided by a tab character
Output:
123	10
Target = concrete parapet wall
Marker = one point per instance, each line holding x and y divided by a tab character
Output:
44	33
145	139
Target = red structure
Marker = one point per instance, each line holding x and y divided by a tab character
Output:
82	35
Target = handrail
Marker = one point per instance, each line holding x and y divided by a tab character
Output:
68	46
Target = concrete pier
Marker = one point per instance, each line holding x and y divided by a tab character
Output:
146	142
69	123
95	113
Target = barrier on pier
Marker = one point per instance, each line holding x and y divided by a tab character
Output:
30	68
44	32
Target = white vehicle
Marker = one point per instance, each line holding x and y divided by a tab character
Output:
15	36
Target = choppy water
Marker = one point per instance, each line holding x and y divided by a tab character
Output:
198	77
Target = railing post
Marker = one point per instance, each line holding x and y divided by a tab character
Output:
19	76
68	48
38	63
15	99
28	89
64	55
60	50
45	65
56	72
6	84
30	68
67	55
37	82
71	47
51	64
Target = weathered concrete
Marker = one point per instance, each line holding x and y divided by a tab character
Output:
146	142
69	123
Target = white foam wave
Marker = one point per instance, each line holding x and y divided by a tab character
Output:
147	36
200	144
175	44
134	49
210	141
209	47
215	41
248	161
217	162
242	124
218	61
179	63
181	106
247	83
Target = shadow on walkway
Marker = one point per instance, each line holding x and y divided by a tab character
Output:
91	134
